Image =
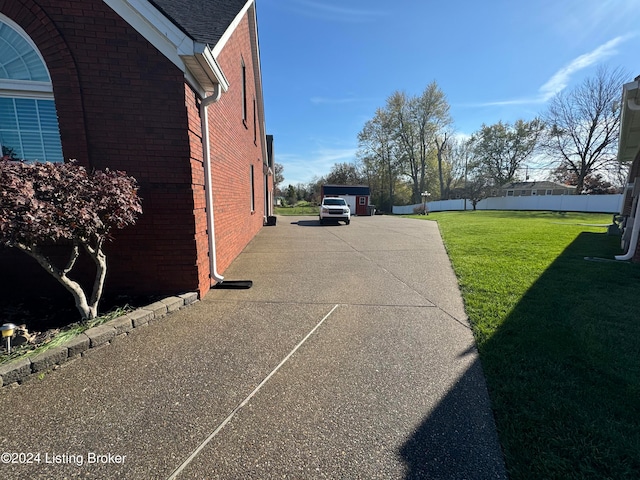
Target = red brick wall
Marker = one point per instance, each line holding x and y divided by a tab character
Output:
121	104
233	151
198	185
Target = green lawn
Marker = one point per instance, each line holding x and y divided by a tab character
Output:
297	210
558	336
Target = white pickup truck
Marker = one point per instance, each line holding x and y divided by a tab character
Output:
334	208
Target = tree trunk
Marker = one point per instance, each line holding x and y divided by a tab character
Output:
87	309
439	149
100	259
61	275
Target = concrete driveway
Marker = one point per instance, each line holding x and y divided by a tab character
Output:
351	357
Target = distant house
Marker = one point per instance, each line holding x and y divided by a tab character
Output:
629	152
528	189
358	197
169	91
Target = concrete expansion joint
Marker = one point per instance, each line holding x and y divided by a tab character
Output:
90	341
244	402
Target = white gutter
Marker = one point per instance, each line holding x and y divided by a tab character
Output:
204	115
633	242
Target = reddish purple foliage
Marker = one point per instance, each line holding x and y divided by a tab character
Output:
42	203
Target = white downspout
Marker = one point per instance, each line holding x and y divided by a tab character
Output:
204	115
633	242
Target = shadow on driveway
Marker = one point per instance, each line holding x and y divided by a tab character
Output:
316	223
452	444
307	223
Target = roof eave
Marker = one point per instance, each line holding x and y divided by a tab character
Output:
629	142
195	59
205	69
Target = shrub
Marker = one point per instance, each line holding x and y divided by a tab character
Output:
421	210
45	204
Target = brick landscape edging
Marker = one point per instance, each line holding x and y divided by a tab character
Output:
18	371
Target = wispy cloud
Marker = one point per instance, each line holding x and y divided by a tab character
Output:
336	13
302	168
336	101
561	79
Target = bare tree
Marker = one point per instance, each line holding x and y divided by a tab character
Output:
583	124
441	148
278	176
457	158
478	184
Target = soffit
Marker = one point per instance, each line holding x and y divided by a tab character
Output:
629	143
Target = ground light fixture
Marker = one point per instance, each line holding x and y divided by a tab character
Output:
7	332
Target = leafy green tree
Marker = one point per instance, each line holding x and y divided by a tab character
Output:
278	177
291	195
344	174
379	155
415	122
501	149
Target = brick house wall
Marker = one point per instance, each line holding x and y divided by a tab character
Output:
123	105
235	148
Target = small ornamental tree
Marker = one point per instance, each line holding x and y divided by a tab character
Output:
45	204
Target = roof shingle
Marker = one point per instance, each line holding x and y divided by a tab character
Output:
205	21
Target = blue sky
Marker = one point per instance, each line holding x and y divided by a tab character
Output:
327	65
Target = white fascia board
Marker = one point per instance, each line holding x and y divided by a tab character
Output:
207	60
255	46
229	31
155	27
632	95
203	72
630	118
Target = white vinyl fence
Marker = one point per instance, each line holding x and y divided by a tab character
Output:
557	203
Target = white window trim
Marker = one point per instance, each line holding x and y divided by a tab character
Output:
26	38
26	89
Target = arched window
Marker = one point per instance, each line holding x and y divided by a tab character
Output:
28	120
